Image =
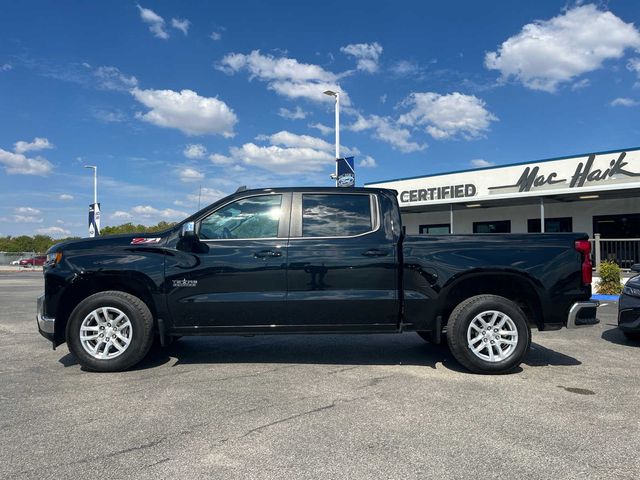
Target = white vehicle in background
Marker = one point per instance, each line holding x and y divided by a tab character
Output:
17	262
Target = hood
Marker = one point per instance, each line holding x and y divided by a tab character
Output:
142	238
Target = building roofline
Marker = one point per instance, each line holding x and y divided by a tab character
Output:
492	167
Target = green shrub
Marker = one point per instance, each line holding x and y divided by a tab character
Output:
609	273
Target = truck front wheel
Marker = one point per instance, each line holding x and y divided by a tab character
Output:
110	331
488	334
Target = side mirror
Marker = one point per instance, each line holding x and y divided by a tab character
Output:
635	267
188	230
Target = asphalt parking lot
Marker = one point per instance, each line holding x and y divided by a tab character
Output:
356	406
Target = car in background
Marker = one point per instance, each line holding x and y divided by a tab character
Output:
629	306
36	261
17	262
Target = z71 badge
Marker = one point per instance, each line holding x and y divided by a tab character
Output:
145	241
185	283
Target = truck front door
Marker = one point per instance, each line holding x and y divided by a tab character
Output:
235	272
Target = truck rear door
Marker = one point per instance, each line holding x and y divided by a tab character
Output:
342	266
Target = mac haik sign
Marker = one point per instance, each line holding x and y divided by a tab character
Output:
593	172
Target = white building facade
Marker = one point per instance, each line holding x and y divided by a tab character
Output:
596	193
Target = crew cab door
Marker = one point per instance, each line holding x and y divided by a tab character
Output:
234	272
342	263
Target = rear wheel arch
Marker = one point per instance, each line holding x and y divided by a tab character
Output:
515	286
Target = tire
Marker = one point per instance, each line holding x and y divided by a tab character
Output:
122	319
496	352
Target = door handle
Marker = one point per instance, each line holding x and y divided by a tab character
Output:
374	252
267	254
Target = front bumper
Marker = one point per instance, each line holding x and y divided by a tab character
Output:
583	314
46	325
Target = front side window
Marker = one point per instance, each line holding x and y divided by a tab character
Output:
253	217
335	215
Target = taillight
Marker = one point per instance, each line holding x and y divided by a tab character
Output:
584	247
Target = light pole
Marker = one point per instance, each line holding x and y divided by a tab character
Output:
95	182
337	97
94	211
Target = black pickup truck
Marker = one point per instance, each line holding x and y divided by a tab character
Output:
312	260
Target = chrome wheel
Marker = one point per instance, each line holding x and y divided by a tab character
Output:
492	336
106	333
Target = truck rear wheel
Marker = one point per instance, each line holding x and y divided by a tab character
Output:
488	334
110	331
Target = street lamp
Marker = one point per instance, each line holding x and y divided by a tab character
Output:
94	211
95	182
331	93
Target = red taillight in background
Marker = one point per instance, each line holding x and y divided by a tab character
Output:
584	247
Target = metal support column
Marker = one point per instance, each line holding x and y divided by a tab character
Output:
451	217
542	214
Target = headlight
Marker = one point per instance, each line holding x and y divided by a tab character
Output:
54	258
633	291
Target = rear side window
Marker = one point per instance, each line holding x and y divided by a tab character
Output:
335	215
253	217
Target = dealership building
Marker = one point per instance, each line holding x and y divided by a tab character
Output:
596	193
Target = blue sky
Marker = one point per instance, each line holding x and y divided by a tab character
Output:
169	96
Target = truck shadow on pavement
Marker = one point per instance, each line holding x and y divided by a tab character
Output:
327	350
615	335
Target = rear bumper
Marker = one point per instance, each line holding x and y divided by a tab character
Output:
583	314
46	325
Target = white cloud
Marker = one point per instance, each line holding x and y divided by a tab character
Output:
156	22
109	116
388	131
121	215
17	163
633	65
27	219
53	231
111	78
324	129
479	163
285	161
367	162
366	54
288	139
406	68
5	67
27	215
220	160
624	102
181	24
206	196
286	153
187	111
27	210
195	150
65	196
547	53
293	140
38	143
297	114
448	116
215	36
580	84
147	211
190	175
285	76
